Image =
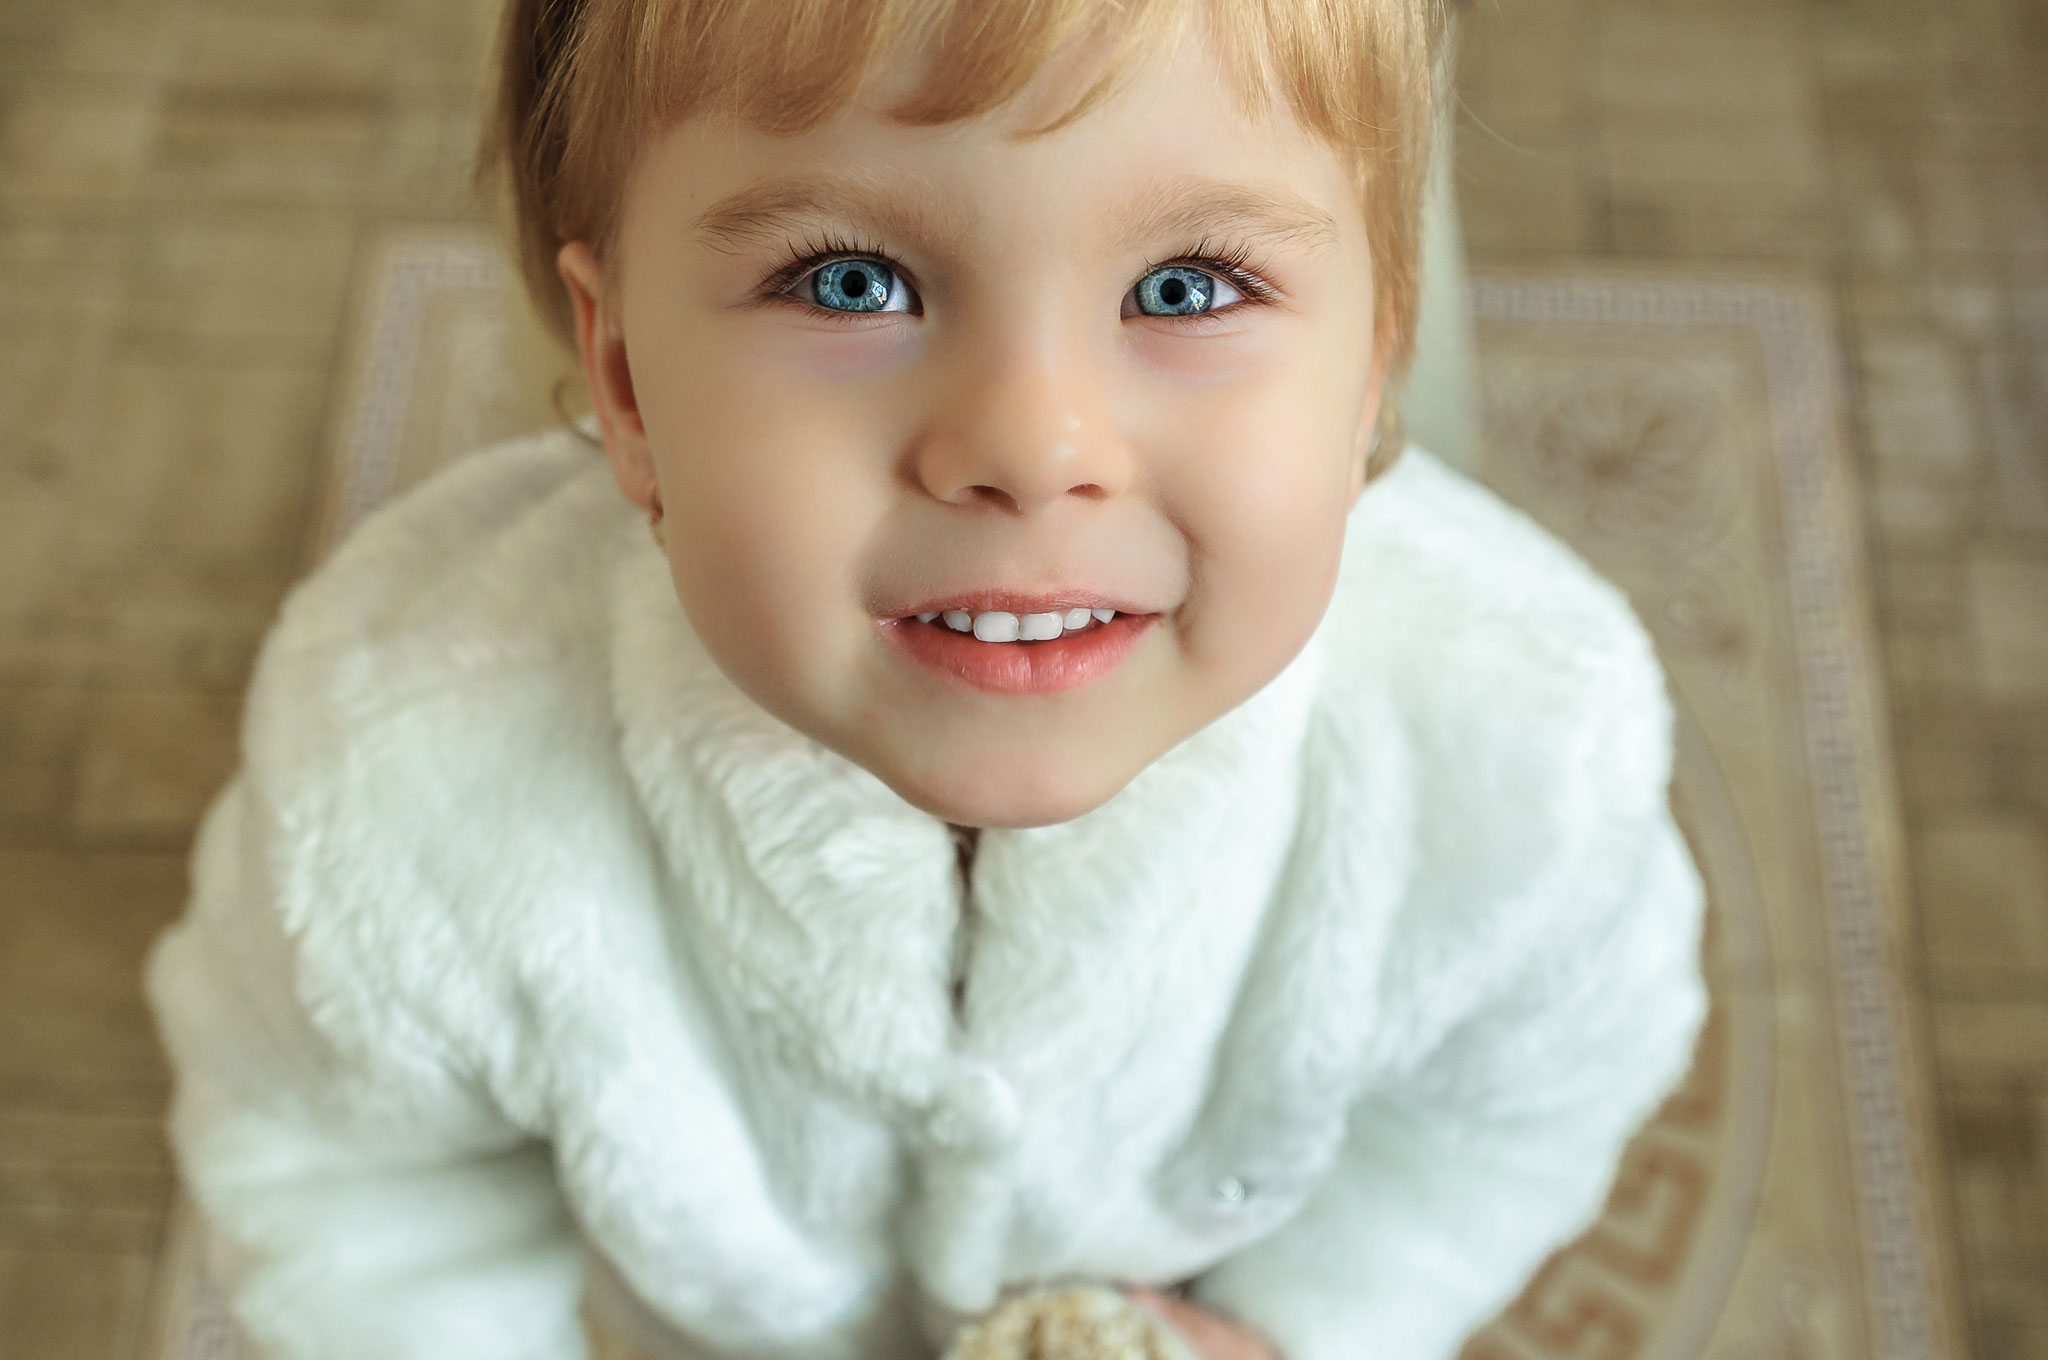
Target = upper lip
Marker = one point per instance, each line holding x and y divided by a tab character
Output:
1017	602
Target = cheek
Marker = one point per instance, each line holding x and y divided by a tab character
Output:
1259	484
762	566
1256	425
1256	470
768	502
1267	583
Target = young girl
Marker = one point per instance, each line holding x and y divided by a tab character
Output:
1053	801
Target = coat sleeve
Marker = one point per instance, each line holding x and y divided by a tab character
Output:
360	1203
1453	1187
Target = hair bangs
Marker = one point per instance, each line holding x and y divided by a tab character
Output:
585	84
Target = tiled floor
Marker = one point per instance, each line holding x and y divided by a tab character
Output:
183	184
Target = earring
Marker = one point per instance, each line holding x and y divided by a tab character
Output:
654	526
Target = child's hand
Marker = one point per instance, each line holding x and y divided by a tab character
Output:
1212	1337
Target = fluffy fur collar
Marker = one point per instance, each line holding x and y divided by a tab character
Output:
1227	913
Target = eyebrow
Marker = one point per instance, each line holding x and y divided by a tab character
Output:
1187	205
1195	205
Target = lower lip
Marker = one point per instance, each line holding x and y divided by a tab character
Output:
1062	663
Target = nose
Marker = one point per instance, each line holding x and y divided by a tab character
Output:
1022	428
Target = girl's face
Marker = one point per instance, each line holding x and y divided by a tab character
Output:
871	370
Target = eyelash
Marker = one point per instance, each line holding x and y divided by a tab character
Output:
1234	263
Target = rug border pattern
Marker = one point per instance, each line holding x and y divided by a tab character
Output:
1846	751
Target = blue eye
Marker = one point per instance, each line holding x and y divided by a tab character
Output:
854	286
849	278
1179	291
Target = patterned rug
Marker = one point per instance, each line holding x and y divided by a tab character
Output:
1684	434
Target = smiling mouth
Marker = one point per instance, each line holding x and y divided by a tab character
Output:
1001	625
999	652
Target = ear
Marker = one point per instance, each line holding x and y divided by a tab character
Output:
1364	459
602	347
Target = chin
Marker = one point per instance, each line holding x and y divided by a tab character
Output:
1008	804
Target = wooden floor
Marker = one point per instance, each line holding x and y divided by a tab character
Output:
183	184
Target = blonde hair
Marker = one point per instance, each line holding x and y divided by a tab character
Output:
583	85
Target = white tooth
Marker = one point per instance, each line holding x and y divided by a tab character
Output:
959	620
1103	615
1038	627
927	618
1077	618
997	625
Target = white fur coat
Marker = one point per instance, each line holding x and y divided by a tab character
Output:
527	955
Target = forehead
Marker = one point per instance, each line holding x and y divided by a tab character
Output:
1189	205
1175	148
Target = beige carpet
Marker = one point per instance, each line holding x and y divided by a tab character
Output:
1684	434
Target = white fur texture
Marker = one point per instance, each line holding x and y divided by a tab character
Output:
525	951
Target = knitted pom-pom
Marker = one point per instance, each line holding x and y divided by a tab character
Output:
1077	1322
